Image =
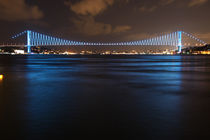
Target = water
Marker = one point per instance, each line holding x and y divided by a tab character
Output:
104	97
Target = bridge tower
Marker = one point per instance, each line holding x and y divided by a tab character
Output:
179	41
28	41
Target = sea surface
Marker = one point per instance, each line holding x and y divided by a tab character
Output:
45	97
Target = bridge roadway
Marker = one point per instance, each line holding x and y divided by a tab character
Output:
12	45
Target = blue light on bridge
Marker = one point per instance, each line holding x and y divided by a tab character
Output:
171	39
180	41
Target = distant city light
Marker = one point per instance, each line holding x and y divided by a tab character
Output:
1	77
19	51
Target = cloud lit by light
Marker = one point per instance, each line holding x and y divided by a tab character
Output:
13	10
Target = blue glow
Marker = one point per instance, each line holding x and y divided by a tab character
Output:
29	41
180	41
170	39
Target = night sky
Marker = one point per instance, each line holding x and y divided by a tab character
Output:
105	20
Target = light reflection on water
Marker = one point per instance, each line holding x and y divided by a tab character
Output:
98	97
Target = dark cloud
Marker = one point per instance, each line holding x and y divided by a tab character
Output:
197	2
87	25
87	10
166	2
151	7
122	28
13	10
148	9
154	6
90	7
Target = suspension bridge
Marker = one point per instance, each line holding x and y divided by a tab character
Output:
170	39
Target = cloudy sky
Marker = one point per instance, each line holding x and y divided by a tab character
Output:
105	20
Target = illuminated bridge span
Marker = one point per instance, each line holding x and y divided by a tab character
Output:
170	39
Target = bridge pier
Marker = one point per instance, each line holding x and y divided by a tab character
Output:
28	41
29	49
179	41
179	49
